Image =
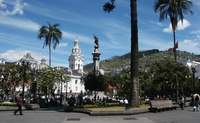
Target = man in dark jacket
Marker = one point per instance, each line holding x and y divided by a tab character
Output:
19	103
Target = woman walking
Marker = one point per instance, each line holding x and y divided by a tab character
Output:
19	103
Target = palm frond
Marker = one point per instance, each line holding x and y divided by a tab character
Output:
173	9
109	6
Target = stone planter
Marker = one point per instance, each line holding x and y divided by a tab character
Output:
31	106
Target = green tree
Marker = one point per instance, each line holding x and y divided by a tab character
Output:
173	10
162	78
122	82
61	77
51	35
46	81
10	78
134	76
94	83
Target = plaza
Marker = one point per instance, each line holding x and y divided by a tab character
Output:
175	116
109	61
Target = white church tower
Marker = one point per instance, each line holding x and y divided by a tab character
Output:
76	84
76	59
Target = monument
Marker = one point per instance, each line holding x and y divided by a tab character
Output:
96	56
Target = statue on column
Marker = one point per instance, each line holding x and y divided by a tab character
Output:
96	41
96	55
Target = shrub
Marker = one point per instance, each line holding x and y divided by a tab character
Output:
7	104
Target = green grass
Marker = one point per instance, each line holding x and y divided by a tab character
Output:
7	104
95	108
2	108
107	109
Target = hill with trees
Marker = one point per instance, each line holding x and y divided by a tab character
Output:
117	64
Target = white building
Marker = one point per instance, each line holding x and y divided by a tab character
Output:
194	64
76	84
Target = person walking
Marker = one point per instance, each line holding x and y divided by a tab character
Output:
197	102
182	102
195	99
19	103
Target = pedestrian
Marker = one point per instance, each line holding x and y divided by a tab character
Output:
197	102
19	103
126	104
182	102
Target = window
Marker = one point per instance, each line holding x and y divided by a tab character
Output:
76	88
76	81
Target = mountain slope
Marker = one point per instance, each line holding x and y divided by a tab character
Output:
146	58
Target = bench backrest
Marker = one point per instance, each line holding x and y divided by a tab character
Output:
161	104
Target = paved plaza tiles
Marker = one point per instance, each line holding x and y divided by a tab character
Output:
177	116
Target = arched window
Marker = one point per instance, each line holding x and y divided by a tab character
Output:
78	66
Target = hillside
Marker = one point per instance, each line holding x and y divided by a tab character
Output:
146	58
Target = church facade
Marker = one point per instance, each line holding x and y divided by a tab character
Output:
75	70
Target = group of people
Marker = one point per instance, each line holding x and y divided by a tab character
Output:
72	100
195	101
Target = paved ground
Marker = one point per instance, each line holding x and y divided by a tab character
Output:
178	116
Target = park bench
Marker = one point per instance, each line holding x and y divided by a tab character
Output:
161	105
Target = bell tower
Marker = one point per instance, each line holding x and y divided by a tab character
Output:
76	58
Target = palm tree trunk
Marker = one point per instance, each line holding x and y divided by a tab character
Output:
174	36
134	54
50	54
177	84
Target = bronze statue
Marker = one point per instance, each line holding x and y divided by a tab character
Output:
96	41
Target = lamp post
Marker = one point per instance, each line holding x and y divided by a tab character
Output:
193	77
188	78
2	78
25	64
34	81
61	95
177	88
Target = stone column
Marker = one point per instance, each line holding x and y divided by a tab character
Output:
96	56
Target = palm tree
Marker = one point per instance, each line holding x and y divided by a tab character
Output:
173	10
50	34
134	95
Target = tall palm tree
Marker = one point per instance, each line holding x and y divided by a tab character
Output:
134	94
173	10
51	35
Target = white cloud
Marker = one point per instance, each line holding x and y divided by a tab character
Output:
189	45
18	8
80	37
112	42
14	55
62	45
181	26
2	5
20	23
187	42
15	7
196	35
197	2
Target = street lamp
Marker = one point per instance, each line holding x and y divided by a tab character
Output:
34	68
2	78
193	77
25	65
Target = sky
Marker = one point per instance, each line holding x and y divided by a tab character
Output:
20	21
